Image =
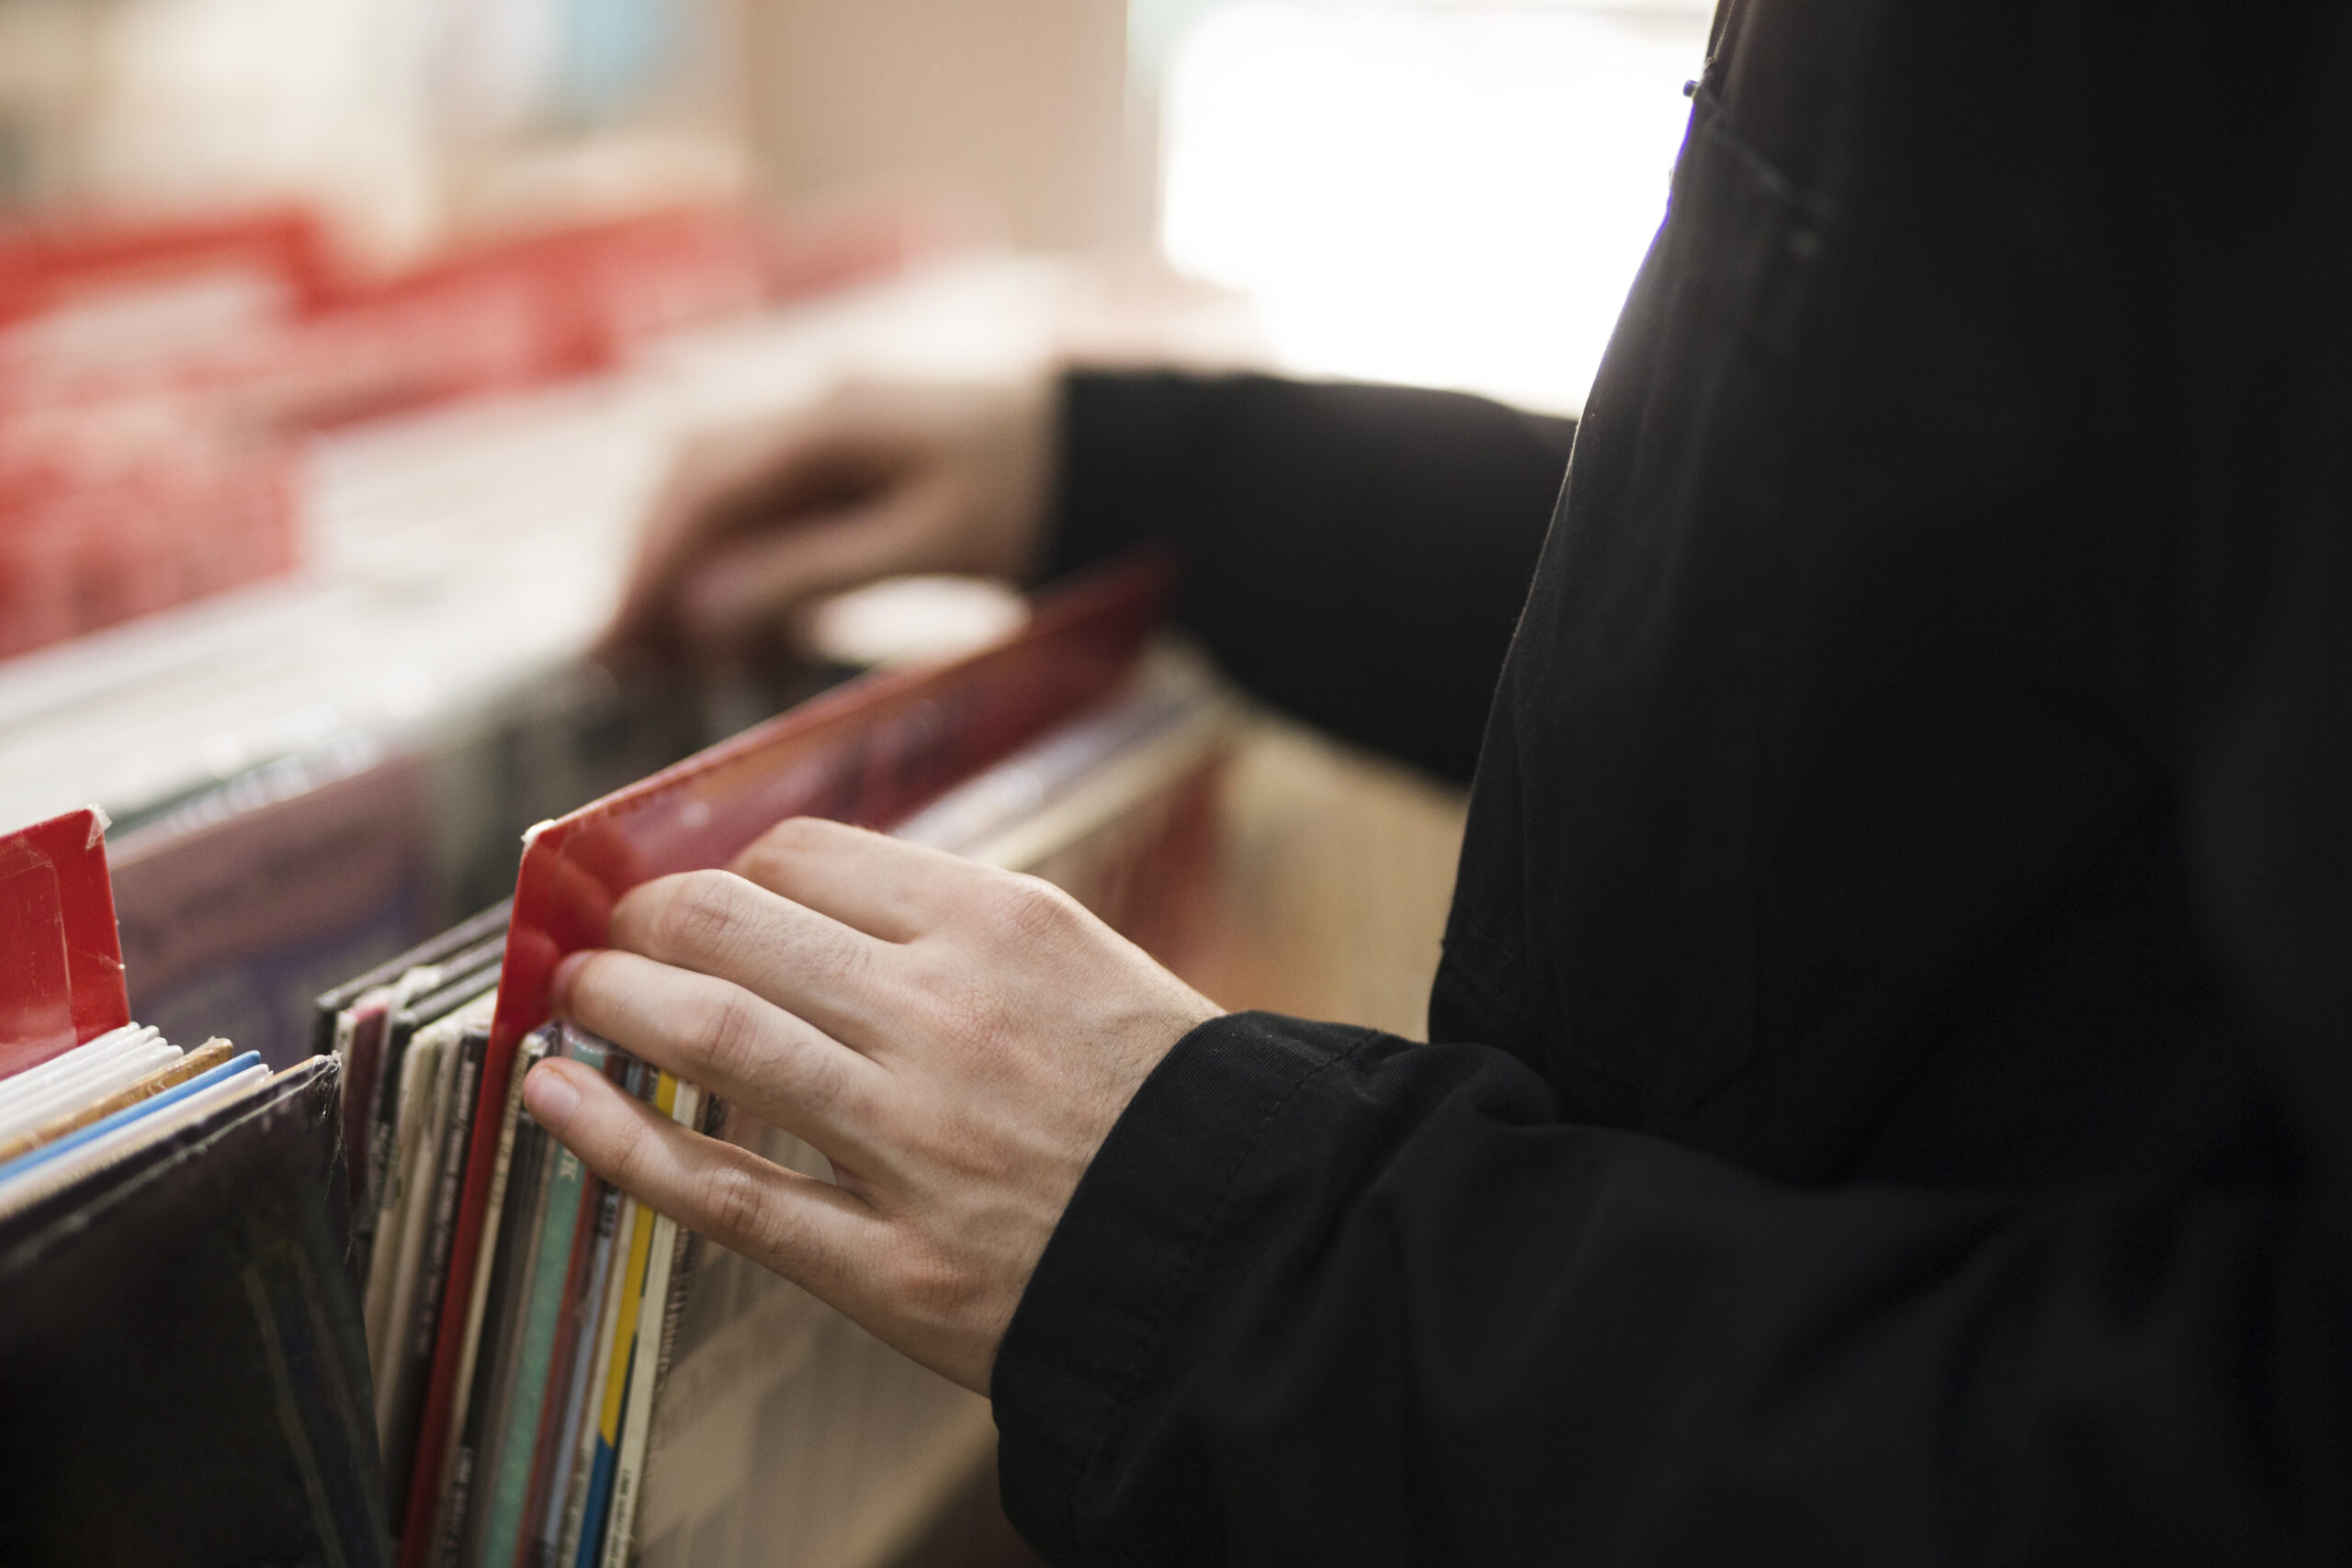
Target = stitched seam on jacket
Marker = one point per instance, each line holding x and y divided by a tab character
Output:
1470	969
1131	1375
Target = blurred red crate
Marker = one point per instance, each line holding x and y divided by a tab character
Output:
116	509
46	266
152	380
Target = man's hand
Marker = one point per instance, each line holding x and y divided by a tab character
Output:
876	481
956	1040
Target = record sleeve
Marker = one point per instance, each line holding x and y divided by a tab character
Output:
436	949
180	1356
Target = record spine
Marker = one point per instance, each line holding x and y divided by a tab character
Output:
455	1472
457	1154
362	1053
685	1104
580	1490
506	1483
629	1073
399	1228
499	1372
567	1369
441	1389
626	1326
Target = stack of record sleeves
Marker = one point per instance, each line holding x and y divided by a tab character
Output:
565	1330
81	1112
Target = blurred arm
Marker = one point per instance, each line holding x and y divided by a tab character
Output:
1356	555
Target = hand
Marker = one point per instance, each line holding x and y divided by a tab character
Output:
956	1040
874	482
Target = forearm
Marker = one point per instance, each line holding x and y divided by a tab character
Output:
1331	1296
1356	555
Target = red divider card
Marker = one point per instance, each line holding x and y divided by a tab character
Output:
61	961
869	753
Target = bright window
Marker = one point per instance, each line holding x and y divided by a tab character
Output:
1448	194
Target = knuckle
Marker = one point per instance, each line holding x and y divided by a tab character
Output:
933	1285
1033	911
699	918
632	1153
735	1202
972	1013
726	1038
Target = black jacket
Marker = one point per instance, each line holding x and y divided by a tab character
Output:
1891	1096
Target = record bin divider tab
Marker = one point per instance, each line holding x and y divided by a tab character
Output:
60	957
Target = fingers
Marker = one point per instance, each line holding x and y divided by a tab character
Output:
692	507
824	465
742	586
808	1230
716	1034
717	923
872	483
879	885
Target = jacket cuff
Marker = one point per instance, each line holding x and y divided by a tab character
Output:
1124	1271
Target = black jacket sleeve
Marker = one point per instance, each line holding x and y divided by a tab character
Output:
1327	1296
1354	555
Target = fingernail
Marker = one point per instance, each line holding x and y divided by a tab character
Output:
559	983
551	1098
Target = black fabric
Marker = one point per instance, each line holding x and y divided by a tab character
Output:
1356	555
1893	1100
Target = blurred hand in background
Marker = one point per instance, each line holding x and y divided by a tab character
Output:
877	480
